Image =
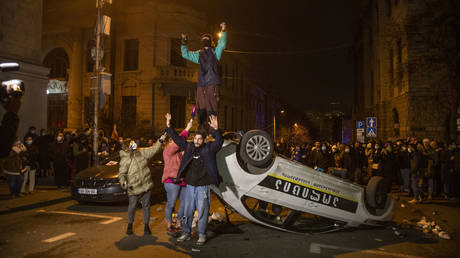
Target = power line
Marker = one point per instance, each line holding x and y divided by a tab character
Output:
311	51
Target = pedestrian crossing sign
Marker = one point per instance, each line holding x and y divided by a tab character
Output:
371	132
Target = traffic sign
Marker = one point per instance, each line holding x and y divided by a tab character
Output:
371	132
360	130
371	122
359	124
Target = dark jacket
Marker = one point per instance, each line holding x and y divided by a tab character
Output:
404	160
416	163
209	72
208	154
10	123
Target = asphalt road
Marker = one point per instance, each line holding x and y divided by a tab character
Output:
49	224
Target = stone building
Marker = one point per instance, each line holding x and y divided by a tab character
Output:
142	59
20	41
406	67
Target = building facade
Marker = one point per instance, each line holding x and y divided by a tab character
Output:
146	74
20	41
406	71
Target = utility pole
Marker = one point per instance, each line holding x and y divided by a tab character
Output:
97	84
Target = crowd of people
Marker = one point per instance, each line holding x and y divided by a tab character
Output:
423	168
61	155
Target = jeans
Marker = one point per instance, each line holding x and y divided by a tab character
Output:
144	199
172	192
29	175
196	198
405	174
15	183
415	187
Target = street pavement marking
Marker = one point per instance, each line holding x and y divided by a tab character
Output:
315	248
57	238
111	219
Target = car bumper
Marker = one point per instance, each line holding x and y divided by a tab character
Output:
104	195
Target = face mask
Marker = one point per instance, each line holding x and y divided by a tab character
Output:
32	131
59	138
206	42
323	148
29	142
409	150
347	150
377	147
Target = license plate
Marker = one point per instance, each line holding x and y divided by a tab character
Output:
87	191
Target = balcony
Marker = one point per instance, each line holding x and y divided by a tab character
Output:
176	73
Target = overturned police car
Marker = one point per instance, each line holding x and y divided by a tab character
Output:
273	191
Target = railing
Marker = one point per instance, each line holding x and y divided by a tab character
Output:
176	73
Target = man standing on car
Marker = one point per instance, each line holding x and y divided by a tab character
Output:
134	175
208	74
199	168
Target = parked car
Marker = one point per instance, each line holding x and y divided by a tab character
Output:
100	183
273	191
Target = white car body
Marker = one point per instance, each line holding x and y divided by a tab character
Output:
297	187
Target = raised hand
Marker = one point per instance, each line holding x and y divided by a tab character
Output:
189	125
213	122
168	119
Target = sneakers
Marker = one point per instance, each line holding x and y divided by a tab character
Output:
201	240
129	230
413	201
147	230
183	238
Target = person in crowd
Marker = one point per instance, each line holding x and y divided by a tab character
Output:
376	155
417	171
81	152
32	132
208	75
43	144
59	155
172	156
199	168
10	124
134	176
297	155
349	163
404	167
31	154
431	151
14	167
387	166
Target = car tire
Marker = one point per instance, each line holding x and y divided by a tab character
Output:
376	195
256	148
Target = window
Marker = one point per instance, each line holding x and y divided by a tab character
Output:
388	8
391	69
58	61
128	112
176	54
131	59
177	108
399	63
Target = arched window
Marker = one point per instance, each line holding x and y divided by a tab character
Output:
58	61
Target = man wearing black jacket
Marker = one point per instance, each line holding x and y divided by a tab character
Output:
199	169
9	126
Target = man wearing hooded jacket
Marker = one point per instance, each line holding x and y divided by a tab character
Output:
209	73
199	168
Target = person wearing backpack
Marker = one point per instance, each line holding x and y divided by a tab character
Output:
208	74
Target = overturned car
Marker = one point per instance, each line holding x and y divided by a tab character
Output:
273	191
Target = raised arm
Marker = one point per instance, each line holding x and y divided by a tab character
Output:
218	140
189	55
222	43
176	138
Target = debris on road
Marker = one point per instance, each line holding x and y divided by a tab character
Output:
431	227
195	250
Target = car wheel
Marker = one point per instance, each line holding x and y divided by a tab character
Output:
376	196
256	148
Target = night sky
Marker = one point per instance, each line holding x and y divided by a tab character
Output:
310	41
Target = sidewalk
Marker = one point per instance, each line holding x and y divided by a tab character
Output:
45	193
